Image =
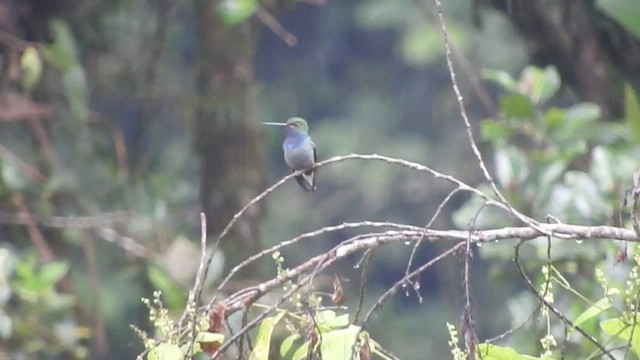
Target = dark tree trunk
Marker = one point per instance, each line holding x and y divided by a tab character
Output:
227	137
594	54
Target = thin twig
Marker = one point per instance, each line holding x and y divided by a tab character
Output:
276	27
196	292
28	170
427	226
463	113
550	306
363	282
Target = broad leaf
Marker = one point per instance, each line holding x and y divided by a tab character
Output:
287	343
593	311
338	344
516	105
165	351
632	110
540	84
494	352
619	328
263	339
501	78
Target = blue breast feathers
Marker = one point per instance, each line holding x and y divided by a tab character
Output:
294	141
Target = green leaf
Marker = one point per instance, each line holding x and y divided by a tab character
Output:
495	131
338	321
516	106
603	164
12	177
53	272
584	112
512	168
302	351
263	339
165	351
161	280
619	328
62	53
77	91
287	343
236	11
593	311
338	344
488	351
501	78
209	337
554	117
632	110
539	84
31	65
504	169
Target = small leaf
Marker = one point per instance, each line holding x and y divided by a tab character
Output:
53	272
619	328
325	316
539	84
263	339
495	131
501	78
287	343
488	351
12	177
613	291
236	11
62	52
338	321
504	169
209	337
163	282
516	106
593	311
77	91
31	65
584	112
165	351
554	117
632	110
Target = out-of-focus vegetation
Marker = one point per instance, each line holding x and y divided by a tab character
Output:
99	116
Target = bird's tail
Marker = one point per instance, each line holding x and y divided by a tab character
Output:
307	180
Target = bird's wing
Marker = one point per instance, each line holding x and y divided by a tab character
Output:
310	176
315	153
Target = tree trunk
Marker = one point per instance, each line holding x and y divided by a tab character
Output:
227	137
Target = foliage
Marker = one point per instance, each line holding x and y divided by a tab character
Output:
116	79
565	163
167	343
309	327
69	161
35	316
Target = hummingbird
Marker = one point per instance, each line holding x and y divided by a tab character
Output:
299	151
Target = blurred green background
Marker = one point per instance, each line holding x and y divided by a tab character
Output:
121	120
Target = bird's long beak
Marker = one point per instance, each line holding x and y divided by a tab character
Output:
274	123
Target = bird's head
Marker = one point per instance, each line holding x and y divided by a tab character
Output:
297	124
293	125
